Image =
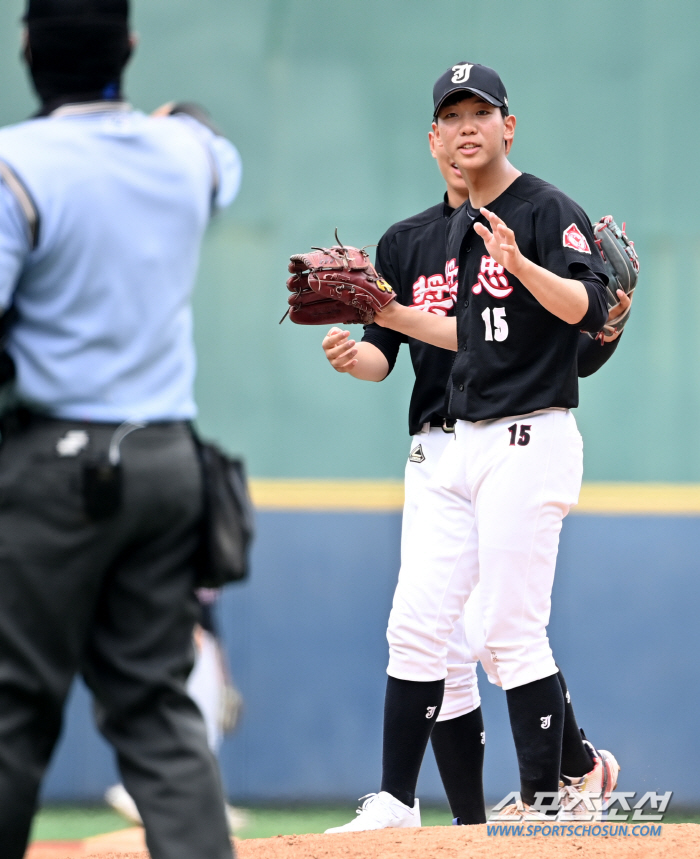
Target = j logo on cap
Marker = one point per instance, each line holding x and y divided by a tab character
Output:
474	79
461	72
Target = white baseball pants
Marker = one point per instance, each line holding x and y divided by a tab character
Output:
461	686
491	514
206	685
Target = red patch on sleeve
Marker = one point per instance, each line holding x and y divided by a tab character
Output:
574	238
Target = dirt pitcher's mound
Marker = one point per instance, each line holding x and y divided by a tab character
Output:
125	844
679	841
676	841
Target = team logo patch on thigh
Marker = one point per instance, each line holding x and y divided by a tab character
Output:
417	454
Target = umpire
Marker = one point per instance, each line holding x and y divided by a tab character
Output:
102	212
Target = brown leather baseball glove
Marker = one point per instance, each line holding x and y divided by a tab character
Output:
337	285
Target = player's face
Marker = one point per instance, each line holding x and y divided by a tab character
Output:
450	171
473	133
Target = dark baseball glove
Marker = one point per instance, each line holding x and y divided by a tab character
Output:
337	285
621	265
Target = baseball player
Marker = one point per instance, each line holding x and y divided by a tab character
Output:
410	256
212	689
486	515
102	214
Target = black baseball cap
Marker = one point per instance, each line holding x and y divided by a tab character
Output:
473	78
55	9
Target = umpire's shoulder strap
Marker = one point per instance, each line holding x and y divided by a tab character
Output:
25	200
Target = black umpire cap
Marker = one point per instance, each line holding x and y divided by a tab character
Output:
42	9
77	47
472	78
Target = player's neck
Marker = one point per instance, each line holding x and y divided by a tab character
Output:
455	199
490	181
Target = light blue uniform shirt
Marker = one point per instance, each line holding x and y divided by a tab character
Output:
105	323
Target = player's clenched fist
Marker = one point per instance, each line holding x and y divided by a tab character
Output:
340	350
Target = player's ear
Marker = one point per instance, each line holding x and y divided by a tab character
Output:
133	43
26	49
431	141
509	131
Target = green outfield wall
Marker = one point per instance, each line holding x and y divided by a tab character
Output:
330	104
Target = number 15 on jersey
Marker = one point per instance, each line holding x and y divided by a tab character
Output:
499	329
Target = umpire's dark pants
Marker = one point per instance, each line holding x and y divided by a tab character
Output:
112	600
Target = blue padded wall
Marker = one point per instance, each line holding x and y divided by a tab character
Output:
306	642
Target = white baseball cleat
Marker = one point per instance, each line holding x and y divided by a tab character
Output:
120	800
381	811
579	797
238	818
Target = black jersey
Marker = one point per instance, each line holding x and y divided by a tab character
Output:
411	256
515	357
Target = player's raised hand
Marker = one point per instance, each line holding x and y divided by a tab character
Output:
500	242
340	351
164	110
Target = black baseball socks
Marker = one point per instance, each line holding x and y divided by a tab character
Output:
576	760
410	710
459	751
536	713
